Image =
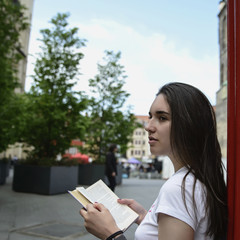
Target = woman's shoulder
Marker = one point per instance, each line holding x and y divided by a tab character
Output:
176	178
181	179
176	195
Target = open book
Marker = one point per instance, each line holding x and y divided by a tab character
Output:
101	193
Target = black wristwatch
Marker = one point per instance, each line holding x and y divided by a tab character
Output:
116	236
121	237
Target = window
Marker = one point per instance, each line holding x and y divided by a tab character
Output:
224	32
221	75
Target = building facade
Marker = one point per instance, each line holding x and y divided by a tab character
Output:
139	147
24	40
221	103
17	150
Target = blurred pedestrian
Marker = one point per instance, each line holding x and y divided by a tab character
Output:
128	169
111	166
14	160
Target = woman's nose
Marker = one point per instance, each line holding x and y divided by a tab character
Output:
149	126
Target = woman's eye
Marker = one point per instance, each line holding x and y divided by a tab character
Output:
162	118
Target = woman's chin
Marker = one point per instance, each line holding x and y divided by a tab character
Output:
155	151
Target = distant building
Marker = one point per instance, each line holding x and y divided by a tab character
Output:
18	148
139	147
221	103
24	40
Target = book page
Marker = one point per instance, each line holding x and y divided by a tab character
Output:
86	194
79	197
101	193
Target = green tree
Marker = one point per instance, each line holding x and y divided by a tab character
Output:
54	112
109	123
12	23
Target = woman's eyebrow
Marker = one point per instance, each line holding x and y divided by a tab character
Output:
162	112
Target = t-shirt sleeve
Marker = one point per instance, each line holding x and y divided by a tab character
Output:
170	202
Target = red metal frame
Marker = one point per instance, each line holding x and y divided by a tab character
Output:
233	154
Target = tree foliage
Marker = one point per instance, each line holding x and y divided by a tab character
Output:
54	111
109	123
12	23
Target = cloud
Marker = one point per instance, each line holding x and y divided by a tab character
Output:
150	61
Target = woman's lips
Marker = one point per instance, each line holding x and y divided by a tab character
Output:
152	140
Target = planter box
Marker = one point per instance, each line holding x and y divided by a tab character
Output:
4	172
47	180
90	173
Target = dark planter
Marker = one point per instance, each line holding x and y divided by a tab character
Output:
47	180
4	172
90	173
119	175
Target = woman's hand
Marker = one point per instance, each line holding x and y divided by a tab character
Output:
136	207
99	221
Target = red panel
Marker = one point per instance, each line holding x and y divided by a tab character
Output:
234	119
237	102
231	120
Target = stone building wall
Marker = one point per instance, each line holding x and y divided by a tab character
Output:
221	104
24	40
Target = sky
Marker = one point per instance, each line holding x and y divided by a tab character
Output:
160	41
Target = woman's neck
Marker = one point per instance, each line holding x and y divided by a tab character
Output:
176	163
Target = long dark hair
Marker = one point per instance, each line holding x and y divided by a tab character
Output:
194	143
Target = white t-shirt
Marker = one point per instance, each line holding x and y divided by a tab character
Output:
170	202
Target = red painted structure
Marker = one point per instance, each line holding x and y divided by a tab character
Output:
233	154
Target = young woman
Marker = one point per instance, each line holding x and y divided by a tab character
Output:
192	204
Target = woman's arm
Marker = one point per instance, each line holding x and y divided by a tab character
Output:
171	228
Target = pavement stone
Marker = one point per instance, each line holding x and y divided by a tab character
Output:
25	216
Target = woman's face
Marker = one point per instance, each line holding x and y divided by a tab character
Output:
159	127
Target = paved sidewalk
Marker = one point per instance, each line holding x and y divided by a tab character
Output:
25	216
